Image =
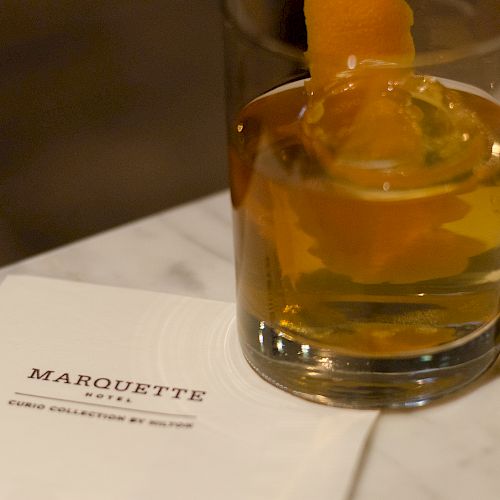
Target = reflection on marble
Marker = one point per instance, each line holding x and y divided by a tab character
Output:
447	451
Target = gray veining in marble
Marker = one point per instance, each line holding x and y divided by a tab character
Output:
186	250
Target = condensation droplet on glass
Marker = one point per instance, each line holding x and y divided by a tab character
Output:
352	61
495	149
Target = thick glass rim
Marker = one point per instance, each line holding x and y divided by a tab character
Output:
429	58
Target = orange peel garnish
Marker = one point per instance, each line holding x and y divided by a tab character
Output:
344	33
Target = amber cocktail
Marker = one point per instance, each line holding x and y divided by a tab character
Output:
367	223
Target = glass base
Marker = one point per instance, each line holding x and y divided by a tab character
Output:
327	377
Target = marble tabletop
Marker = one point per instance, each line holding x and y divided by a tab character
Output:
449	450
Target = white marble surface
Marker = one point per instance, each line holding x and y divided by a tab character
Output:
186	250
447	451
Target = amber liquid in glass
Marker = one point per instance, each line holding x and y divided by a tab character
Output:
366	258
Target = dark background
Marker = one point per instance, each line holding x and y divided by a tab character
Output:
109	110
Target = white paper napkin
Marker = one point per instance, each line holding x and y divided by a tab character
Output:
112	393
